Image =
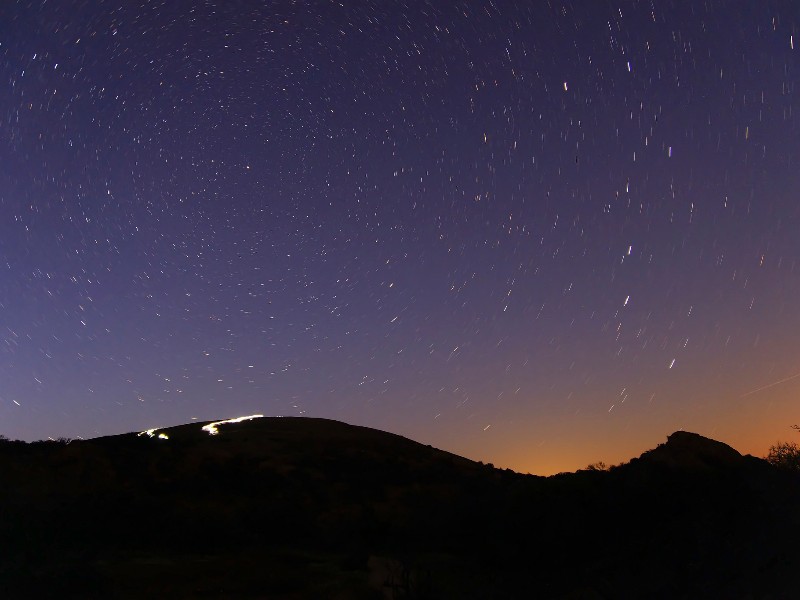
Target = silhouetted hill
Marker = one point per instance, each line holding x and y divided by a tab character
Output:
685	450
312	508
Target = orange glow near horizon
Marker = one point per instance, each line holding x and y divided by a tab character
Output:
750	424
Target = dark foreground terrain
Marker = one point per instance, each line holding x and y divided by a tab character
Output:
310	508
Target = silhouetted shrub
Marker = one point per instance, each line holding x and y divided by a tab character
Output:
61	441
598	466
785	455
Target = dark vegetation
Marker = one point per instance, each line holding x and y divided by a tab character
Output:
785	455
310	508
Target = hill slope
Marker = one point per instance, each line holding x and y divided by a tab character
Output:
311	508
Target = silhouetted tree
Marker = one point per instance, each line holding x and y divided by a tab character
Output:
598	466
785	455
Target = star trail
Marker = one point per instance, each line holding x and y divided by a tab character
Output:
538	234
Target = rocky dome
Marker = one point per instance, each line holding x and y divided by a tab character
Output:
687	450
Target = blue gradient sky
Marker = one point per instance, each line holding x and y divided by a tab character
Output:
536	234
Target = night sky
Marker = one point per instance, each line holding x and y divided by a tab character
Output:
538	234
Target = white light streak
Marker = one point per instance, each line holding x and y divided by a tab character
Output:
153	433
769	385
211	428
